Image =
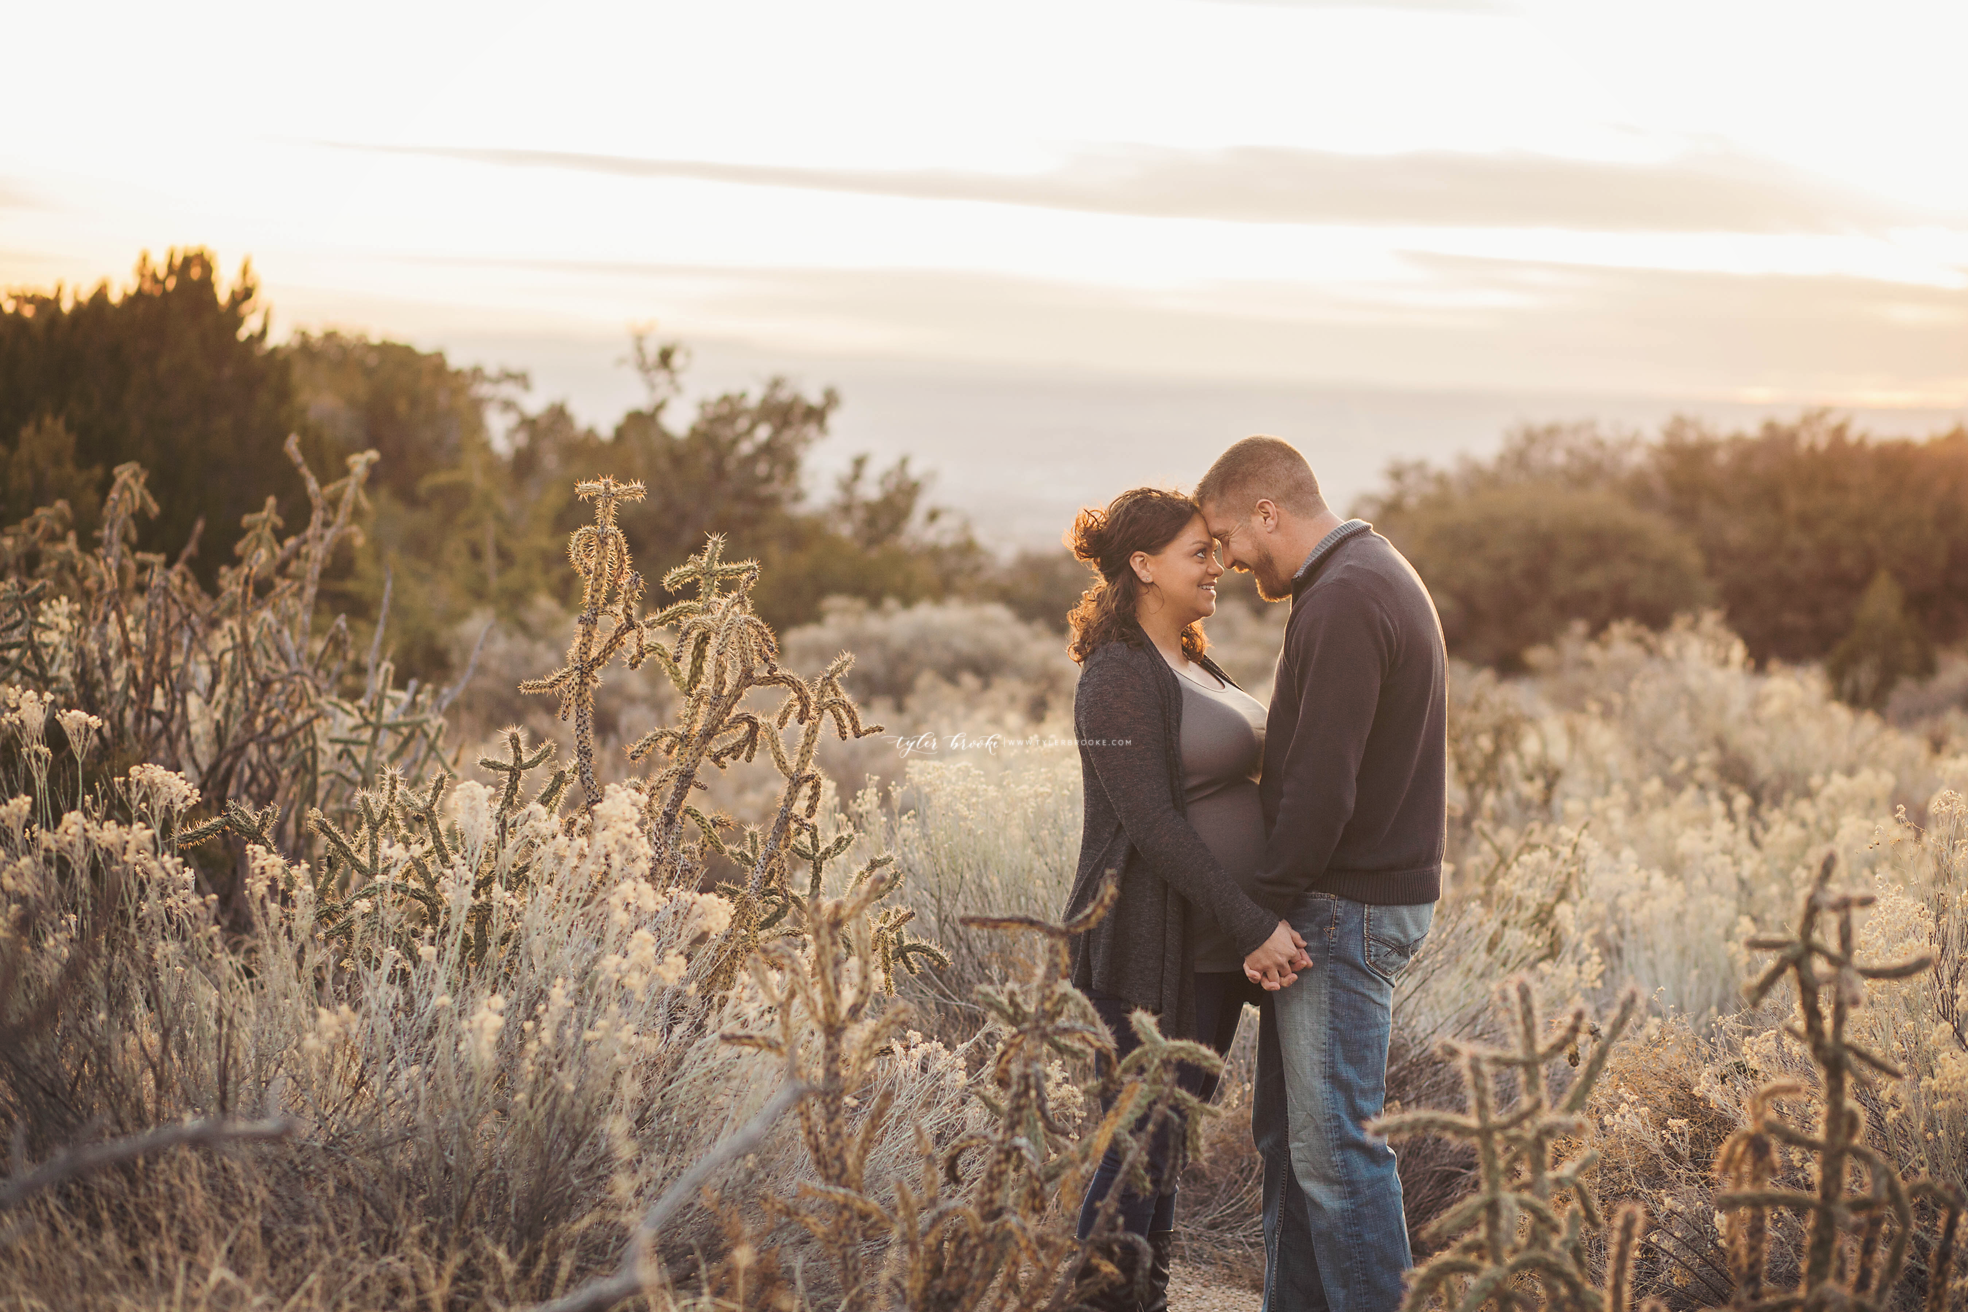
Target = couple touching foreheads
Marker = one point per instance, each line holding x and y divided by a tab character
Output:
1288	857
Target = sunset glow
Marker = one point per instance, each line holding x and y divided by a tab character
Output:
1740	201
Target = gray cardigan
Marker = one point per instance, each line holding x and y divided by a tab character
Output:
1128	712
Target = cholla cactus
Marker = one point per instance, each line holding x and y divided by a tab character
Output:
978	1229
408	875
1514	1244
610	590
1515	1235
723	652
231	687
1844	1265
514	769
826	981
993	1243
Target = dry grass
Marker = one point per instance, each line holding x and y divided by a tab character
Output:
493	1028
507	1009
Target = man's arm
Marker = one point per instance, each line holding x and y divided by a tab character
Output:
1340	653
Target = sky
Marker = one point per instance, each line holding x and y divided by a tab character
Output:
1716	202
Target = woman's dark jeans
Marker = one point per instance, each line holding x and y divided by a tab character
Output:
1220	999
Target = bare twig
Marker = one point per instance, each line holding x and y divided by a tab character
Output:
627	1281
80	1161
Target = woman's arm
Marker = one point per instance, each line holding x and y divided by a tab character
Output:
1119	717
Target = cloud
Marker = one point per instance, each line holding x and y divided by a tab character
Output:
1472	323
1709	192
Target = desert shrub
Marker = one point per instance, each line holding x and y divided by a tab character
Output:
951	681
175	373
1700	788
896	646
1038	586
1792	524
1510	567
482	1022
1883	647
1935	705
975	842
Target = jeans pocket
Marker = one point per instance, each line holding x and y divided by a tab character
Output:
1394	935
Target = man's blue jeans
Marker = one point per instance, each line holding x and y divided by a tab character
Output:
1335	1238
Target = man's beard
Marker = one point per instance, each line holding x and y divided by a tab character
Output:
1273	583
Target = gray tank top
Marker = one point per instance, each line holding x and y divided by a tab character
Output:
1222	749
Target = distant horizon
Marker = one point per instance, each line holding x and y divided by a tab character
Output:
1054	245
1016	450
1014	447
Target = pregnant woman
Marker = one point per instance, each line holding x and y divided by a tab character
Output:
1169	753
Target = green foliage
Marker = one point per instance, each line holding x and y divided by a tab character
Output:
1512	566
175	374
40	470
447	535
424	418
1790	526
737	471
1884	646
1797	520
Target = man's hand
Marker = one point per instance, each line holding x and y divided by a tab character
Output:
1278	959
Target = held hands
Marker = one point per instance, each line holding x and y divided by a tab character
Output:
1278	959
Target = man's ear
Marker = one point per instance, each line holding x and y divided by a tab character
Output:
1267	515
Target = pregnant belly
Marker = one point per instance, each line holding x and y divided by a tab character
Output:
1231	824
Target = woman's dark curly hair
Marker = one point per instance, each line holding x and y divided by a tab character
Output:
1140	519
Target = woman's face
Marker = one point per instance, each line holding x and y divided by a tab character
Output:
1179	581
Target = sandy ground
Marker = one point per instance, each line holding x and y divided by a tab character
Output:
1203	1291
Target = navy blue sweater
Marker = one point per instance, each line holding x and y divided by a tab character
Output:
1356	746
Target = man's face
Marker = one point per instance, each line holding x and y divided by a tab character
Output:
1247	544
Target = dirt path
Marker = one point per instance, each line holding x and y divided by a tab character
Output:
1203	1291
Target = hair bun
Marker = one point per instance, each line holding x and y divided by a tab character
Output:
1141	519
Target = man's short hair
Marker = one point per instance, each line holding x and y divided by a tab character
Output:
1259	469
